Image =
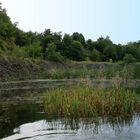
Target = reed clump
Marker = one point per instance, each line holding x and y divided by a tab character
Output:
84	101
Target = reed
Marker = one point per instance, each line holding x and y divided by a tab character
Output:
84	101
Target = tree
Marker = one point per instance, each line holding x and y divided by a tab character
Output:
110	53
78	37
76	51
73	47
134	49
67	40
102	43
57	37
46	39
20	38
66	44
6	30
129	58
95	55
119	52
89	44
138	54
6	26
130	49
52	54
34	50
57	40
0	6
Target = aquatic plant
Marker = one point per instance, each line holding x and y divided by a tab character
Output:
84	101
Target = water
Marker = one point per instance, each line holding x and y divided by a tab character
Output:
22	117
77	130
48	83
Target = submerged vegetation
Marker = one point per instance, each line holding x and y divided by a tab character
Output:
84	101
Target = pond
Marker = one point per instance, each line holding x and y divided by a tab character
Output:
57	130
22	117
28	122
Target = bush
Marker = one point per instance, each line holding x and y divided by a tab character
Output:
52	54
95	55
33	51
15	52
75	51
129	58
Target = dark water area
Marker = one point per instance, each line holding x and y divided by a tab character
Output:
22	117
28	122
12	116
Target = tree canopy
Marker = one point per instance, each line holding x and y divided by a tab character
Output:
69	47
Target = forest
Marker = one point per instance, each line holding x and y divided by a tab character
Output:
54	46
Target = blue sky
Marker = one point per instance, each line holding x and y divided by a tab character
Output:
118	19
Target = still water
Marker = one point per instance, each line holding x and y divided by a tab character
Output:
22	118
28	122
56	130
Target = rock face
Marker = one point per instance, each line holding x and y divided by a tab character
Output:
13	68
16	69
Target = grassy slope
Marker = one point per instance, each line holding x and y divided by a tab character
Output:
23	69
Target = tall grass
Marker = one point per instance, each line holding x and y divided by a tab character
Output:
43	70
84	101
106	72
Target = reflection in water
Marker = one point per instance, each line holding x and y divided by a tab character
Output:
16	118
81	130
12	116
24	120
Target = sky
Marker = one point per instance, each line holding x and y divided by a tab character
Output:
119	19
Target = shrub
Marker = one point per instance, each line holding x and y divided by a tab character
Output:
52	54
95	55
33	51
129	58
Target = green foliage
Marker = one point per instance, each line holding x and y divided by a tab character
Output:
16	52
72	47
78	37
25	38
95	55
102	43
129	58
110	53
6	27
66	45
67	40
90	45
46	39
84	101
6	31
33	50
4	45
52	54
76	51
119	52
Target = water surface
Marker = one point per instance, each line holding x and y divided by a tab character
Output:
22	117
62	130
